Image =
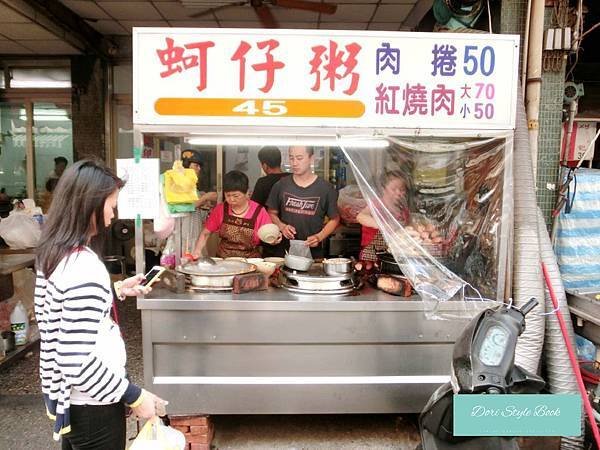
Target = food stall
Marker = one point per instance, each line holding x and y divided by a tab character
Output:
440	108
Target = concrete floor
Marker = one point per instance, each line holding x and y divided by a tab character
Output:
24	425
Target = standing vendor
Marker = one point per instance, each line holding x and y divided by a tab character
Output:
191	159
236	220
270	162
394	198
298	204
192	224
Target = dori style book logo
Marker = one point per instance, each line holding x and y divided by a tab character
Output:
517	415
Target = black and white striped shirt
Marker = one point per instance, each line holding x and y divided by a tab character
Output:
82	355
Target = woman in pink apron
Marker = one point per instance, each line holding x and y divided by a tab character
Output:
236	220
394	199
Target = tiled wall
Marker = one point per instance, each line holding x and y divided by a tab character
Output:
513	20
549	140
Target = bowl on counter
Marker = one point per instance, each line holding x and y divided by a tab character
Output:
298	262
265	267
254	260
279	261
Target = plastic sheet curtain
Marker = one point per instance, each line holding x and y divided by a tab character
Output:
444	226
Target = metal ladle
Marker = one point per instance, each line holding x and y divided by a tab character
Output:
206	261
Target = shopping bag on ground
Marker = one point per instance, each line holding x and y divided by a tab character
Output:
155	435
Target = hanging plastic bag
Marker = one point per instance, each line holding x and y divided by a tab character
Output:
19	230
155	435
164	224
180	184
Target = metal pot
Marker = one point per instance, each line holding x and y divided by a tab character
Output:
298	262
8	338
337	266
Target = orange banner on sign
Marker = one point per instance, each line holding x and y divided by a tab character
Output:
259	107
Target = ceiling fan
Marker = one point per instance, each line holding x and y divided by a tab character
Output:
264	12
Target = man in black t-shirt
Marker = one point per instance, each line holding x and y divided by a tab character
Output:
270	162
298	204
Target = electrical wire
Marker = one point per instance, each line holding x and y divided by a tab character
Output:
571	199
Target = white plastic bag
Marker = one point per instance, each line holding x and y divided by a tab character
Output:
19	230
164	224
155	435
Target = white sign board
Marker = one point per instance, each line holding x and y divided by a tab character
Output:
324	78
140	193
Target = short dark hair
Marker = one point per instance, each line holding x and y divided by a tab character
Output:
190	156
271	156
235	181
309	150
61	159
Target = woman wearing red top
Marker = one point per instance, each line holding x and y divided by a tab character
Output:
394	199
237	221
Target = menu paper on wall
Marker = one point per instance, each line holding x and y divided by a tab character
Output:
140	193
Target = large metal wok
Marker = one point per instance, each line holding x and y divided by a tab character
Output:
215	277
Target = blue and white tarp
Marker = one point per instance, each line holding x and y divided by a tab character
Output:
577	243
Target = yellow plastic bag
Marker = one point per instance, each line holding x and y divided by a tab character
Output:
155	435
180	184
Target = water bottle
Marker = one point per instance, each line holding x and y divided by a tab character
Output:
19	323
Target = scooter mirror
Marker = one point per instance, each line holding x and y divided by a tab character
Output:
527	307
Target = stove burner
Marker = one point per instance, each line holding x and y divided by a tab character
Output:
316	281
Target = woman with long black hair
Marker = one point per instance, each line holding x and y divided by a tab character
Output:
82	354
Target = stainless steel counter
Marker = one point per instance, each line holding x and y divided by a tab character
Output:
274	352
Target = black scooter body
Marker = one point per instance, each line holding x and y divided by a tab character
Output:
476	372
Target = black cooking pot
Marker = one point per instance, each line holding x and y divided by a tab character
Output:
388	264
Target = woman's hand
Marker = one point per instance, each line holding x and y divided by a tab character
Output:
206	199
147	409
288	231
130	287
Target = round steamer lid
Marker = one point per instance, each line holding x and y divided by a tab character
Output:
221	268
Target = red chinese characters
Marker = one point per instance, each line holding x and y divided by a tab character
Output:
175	59
333	65
269	66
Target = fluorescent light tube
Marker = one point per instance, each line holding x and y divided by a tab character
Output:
314	141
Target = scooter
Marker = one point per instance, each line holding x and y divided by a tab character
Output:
482	363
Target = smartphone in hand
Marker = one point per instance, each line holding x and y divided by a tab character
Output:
153	275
